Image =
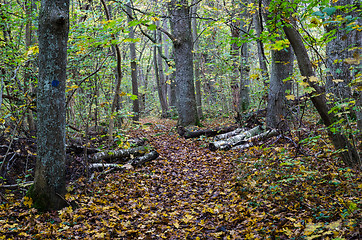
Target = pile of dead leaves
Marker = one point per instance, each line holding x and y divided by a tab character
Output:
189	192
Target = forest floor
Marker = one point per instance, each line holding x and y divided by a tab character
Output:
272	191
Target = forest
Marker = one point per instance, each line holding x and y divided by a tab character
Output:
181	119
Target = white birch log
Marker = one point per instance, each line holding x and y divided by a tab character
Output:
236	140
119	155
229	134
251	141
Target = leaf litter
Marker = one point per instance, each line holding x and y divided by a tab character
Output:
265	192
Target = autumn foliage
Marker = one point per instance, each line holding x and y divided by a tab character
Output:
272	191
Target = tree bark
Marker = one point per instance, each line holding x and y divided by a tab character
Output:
196	60
337	50
281	69
244	101
160	77
185	90
258	24
132	49
49	184
347	151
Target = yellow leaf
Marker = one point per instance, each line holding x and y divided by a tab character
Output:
122	94
290	97
28	201
313	79
155	19
176	224
337	80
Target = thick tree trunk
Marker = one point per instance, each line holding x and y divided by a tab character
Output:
132	49
281	69
49	185
348	153
337	50
185	90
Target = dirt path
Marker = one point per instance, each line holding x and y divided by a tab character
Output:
187	192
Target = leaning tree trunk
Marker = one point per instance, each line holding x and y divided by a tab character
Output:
180	22
49	183
347	151
281	69
258	24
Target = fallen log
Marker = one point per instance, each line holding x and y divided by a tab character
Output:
135	162
251	141
138	161
120	155
229	134
203	132
236	140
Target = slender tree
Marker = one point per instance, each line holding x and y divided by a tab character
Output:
132	48
196	59
119	75
49	184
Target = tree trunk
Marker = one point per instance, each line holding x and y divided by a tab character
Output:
119	76
49	185
281	69
244	101
185	90
158	72
27	74
357	53
196	61
132	48
348	153
235	66
337	50
258	24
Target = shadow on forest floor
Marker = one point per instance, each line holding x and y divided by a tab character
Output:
270	191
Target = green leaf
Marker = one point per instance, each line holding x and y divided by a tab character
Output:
330	10
152	27
133	97
318	13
